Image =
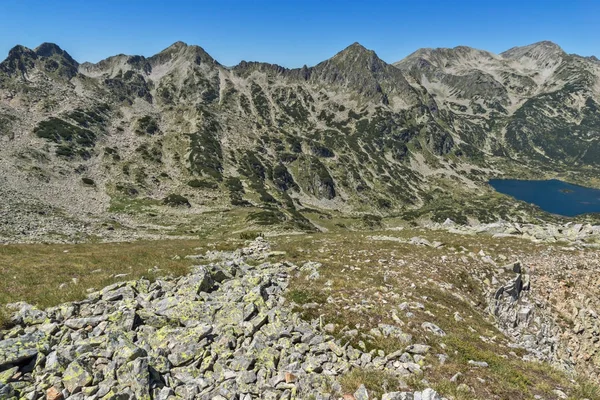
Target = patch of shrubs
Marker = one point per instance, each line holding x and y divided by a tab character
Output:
371	221
236	190
251	235
266	217
176	200
147	125
202	184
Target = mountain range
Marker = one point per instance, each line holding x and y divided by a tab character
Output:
102	145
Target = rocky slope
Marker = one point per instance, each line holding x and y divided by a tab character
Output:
238	326
221	332
352	134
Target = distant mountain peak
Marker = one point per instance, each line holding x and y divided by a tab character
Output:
50	49
536	50
354	50
20	50
181	50
177	46
47	57
443	57
362	70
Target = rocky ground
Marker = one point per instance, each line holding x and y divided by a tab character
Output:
576	234
222	332
392	314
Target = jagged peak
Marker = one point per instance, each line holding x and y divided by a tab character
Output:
354	58
356	46
47	57
177	46
181	50
50	49
353	51
19	51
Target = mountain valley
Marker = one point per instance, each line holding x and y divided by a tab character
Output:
173	228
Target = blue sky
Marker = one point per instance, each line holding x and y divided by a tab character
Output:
294	33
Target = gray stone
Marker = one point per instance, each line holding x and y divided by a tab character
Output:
20	349
417	348
397	396
436	330
361	393
75	377
480	364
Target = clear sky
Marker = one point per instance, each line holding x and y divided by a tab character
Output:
293	33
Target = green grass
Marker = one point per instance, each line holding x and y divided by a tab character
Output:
35	272
131	205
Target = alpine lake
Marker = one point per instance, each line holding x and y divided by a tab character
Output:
553	196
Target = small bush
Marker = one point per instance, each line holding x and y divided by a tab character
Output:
203	184
146	125
267	217
372	221
250	235
88	181
176	200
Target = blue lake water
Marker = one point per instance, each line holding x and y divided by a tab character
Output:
553	196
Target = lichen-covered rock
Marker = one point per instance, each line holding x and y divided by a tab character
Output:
76	377
20	349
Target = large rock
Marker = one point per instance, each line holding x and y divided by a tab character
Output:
76	377
20	349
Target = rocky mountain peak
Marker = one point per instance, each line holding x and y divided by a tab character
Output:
362	70
357	53
48	58
51	50
182	51
537	51
20	51
20	58
460	56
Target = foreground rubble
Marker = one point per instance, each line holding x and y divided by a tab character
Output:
222	332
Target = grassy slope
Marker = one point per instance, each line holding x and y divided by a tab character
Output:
49	274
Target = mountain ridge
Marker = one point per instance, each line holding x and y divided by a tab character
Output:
352	134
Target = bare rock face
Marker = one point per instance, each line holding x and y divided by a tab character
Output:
530	323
